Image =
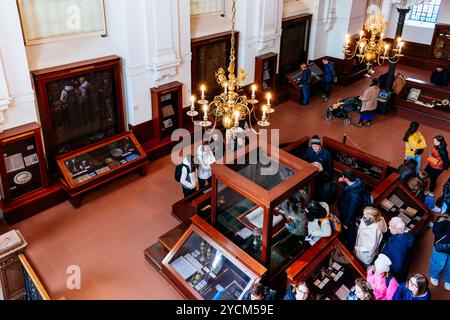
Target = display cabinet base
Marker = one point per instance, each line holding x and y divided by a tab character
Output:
36	202
424	117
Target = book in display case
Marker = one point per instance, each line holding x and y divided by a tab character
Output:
87	168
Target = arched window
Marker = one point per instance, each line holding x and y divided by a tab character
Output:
426	12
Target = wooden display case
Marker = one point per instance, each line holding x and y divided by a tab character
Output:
246	205
370	169
329	275
440	47
198	203
90	167
295	77
23	171
205	265
401	202
79	104
297	148
266	71
424	102
167	110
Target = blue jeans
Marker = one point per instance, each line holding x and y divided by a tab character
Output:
306	93
418	159
440	262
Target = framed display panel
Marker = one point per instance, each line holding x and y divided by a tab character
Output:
208	55
79	104
266	71
167	107
246	204
424	102
204	265
92	166
370	169
440	47
393	199
330	275
22	169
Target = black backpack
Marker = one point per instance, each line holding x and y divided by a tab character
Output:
179	171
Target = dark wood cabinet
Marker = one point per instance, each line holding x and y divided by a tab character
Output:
79	104
87	168
440	47
266	71
393	199
22	170
424	102
167	110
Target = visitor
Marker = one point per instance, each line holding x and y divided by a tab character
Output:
415	144
329	76
440	202
186	174
205	158
440	76
383	283
382	79
407	170
416	288
438	162
297	292
305	83
440	256
370	234
361	291
259	292
416	186
215	143
294	211
399	248
350	206
318	226
369	104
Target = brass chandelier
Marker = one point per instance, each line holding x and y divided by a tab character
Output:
374	49
229	107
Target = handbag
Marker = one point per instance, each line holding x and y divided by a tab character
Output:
434	162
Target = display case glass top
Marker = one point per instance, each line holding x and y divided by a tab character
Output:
89	164
205	270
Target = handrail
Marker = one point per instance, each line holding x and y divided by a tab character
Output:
34	278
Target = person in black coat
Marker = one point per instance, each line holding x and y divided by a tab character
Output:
305	83
350	205
440	76
407	171
259	292
439	262
317	154
441	164
329	76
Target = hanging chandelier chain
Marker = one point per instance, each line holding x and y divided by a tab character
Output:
233	31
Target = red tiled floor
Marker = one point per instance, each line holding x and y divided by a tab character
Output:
107	235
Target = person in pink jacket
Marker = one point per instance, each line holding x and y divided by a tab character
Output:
384	285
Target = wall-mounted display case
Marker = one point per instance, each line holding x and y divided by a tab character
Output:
90	167
22	169
79	104
393	199
369	168
440	47
424	102
204	265
266	71
330	275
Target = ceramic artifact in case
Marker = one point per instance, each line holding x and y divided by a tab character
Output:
202	268
330	275
393	199
92	166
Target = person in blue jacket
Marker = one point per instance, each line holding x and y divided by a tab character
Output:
399	248
329	75
350	205
297	292
305	83
416	288
260	292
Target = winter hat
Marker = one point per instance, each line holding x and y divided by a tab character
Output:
316	140
348	174
383	263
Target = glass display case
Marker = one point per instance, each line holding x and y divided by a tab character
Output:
89	167
394	199
330	275
203	265
266	71
198	203
369	168
247	204
441	42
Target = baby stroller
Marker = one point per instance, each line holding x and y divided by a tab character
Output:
342	109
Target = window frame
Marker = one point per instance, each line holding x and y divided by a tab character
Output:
420	13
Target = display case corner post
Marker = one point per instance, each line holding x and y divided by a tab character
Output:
214	200
266	236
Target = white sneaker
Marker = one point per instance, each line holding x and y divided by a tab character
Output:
434	282
447	286
371	71
430	194
367	75
436	210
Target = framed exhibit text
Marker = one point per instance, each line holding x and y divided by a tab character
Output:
79	104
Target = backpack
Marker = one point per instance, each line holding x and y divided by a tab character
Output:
334	222
179	171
